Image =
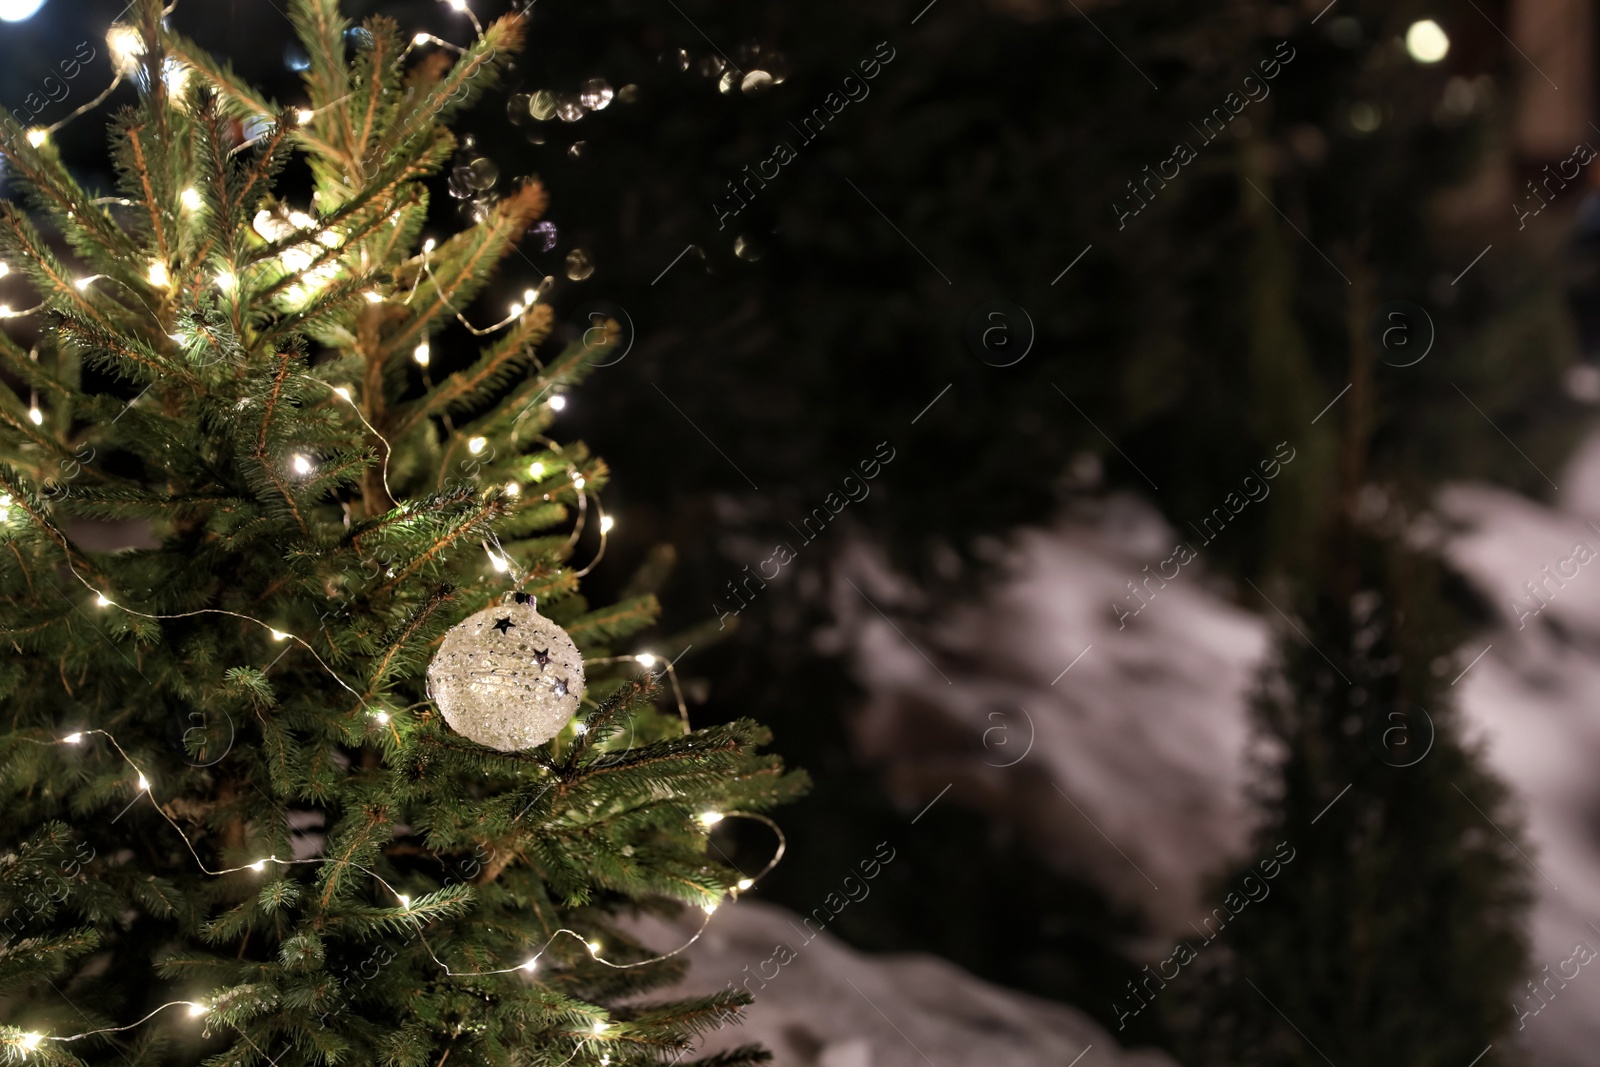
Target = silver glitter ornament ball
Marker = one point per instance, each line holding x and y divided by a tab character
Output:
507	677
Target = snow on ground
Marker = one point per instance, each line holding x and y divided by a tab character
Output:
1138	755
822	1004
1140	752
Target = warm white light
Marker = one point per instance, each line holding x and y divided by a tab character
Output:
5	268
301	463
646	660
601	1027
531	964
5	500
144	784
477	444
422	354
226	281
711	818
331	238
458	5
594	948
500	563
405	901
709	908
158	274
381	716
1427	42
37	137
301	220
304	115
342	392
558	403
5	311
29	1041
606	523
197	1009
191	199
513	489
421	39
73	739
536	470
516	309
578	482
529	296
429	245
259	865
100	601
372	298
580	728
36	416
279	635
745	883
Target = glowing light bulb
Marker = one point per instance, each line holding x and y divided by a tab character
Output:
83	283
745	883
558	403
197	1009
405	901
37	137
5	311
191	200
593	947
259	865
709	908
421	39
279	635
513	489
601	1027
457	5
302	464
342	392
500	563
578	482
100	601
429	245
301	220
226	281
529	296
580	728
158	275
372	298
477	444
30	1040
422	354
536	470
646	660
331	238
73	739
606	523
5	268
1427	42
381	716
144	784
531	965
711	818
36	416
304	116
5	500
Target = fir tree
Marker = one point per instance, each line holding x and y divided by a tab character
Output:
237	830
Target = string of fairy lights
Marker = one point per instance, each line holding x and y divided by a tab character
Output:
126	46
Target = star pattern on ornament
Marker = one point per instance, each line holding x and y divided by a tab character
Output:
542	657
560	687
504	624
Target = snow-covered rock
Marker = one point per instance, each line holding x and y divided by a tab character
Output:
820	1003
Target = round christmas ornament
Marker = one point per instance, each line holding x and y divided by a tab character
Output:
507	677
